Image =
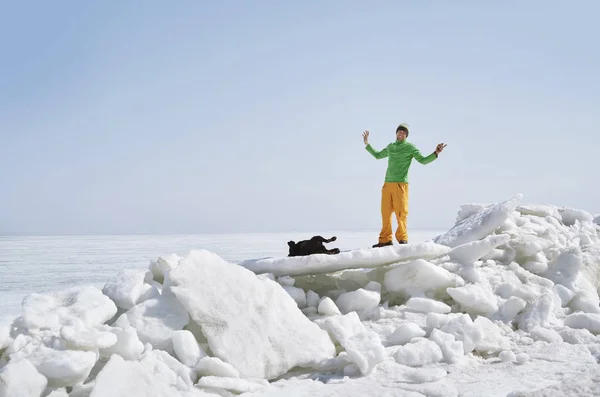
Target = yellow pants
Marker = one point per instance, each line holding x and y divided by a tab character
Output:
394	200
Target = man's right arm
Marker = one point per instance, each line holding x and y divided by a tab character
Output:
377	154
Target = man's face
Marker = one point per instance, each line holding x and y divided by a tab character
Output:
400	135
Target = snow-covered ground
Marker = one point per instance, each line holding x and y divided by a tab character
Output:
505	303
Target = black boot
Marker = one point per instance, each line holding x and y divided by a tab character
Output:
402	242
383	244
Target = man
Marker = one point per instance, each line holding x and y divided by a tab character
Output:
394	194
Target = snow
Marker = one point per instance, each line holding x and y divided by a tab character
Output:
505	303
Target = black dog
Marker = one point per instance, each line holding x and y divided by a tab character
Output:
312	246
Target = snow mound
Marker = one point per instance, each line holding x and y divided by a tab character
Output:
510	285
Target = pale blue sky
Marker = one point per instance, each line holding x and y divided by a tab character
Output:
238	116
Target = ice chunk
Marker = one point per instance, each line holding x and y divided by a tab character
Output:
168	369
405	333
535	267
162	265
87	338
19	378
464	330
186	348
214	366
76	306
235	385
327	307
507	356
419	353
577	336
83	390
522	358
286	281
512	307
480	224
539	210
251	323
364	347
297	294
527	245
358	300
128	344
571	215
596	220
148	291
60	392
438	320
60	367
546	334
312	299
564	268
115	380
589	321
468	209
473	251
452	349
427	305
492	339
125	287
418	277
373	286
474	299
155	320
361	258
539	313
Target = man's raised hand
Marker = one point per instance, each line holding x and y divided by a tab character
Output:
366	137
439	148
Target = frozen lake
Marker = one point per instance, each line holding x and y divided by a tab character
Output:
41	264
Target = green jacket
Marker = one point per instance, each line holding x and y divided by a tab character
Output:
400	155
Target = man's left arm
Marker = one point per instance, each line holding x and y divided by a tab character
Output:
427	159
423	159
